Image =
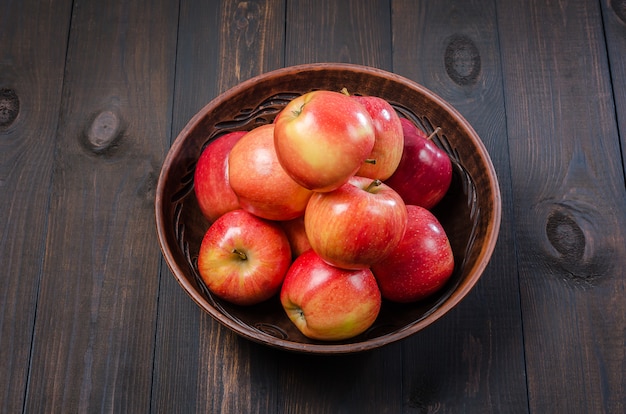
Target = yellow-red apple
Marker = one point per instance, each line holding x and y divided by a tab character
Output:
261	184
329	303
389	142
243	258
358	224
322	138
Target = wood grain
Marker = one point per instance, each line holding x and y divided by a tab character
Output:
96	314
452	48
330	31
569	203
31	78
614	14
201	365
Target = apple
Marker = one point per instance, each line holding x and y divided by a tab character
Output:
421	264
261	184
322	138
243	259
294	229
425	172
211	186
326	302
358	224
408	127
389	143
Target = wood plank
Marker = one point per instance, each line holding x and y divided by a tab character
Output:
201	366
96	316
349	31
473	359
614	14
352	32
569	203
31	79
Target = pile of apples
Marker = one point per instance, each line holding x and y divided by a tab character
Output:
329	207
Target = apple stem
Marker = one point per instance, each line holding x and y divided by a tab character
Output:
241	254
434	133
298	111
371	161
345	91
372	185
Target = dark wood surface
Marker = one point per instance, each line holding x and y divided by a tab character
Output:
92	94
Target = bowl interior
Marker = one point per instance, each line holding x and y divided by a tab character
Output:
470	212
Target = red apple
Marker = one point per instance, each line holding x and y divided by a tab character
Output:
262	186
389	142
243	258
213	192
421	264
358	224
425	171
329	303
294	229
322	139
408	127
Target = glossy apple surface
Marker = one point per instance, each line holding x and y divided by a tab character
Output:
213	192
358	224
389	139
421	264
262	186
329	303
322	139
243	258
425	171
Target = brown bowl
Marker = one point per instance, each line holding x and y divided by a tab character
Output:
470	212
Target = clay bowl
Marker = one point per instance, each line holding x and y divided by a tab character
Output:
470	212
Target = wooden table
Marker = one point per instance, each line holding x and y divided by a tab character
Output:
92	93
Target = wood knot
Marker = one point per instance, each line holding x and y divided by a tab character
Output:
565	235
104	131
9	107
576	253
247	19
619	8
462	60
